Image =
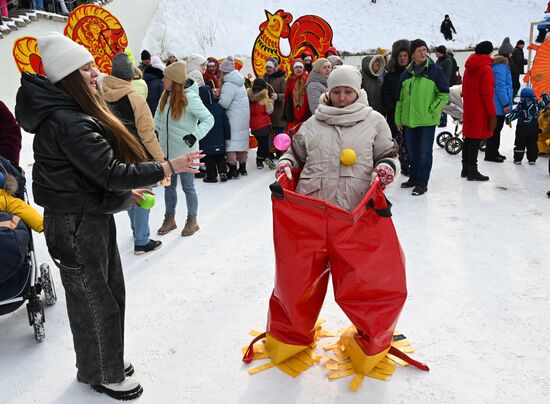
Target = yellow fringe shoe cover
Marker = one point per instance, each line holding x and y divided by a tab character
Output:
291	359
348	359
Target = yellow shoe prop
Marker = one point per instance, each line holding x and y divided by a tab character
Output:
349	359
291	359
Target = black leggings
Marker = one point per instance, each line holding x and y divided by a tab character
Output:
470	149
493	143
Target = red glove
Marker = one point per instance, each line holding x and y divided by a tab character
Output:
284	167
386	174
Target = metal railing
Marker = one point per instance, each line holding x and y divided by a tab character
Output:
53	5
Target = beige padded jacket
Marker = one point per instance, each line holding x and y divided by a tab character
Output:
317	146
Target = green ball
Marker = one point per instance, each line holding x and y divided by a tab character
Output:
147	202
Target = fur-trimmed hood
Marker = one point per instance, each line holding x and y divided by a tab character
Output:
398	47
259	97
499	59
9	183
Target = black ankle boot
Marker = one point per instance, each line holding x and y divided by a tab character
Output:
474	175
242	169
233	172
464	172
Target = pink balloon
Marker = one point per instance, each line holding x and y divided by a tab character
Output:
282	141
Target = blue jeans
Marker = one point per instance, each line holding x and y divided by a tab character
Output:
188	186
38	4
139	221
420	143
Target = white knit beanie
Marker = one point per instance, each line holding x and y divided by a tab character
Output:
345	76
228	65
61	56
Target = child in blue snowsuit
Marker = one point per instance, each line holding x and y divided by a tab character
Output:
527	128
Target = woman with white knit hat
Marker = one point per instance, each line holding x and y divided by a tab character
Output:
343	120
335	155
86	164
317	82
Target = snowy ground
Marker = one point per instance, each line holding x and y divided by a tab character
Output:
477	312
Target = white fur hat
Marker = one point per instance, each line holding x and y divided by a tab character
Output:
61	56
157	63
345	76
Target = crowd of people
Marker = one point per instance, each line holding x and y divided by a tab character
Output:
104	141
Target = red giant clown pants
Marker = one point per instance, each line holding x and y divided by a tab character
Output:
360	249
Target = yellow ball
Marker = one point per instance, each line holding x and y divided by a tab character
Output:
348	157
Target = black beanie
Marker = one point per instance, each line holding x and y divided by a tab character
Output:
259	84
484	48
441	49
145	55
417	43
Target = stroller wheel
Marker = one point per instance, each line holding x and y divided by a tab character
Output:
442	138
38	325
47	285
483	145
453	145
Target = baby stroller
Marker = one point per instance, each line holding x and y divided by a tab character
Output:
452	142
20	281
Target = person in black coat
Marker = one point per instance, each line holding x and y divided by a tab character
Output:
87	167
213	144
153	75
517	66
455	75
400	58
446	63
447	28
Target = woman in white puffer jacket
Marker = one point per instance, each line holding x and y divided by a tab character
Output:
234	99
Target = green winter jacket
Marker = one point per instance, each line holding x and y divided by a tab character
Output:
196	120
422	96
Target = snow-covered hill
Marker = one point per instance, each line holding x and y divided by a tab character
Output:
216	28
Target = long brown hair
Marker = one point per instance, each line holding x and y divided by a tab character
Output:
127	148
178	101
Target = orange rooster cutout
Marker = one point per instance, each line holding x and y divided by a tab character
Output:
308	32
26	55
539	75
98	31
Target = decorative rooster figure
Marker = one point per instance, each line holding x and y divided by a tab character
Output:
540	69
308	32
98	31
26	55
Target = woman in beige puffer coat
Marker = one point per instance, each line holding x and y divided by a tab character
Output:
343	120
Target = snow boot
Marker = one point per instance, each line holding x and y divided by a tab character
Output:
168	225
242	169
233	172
259	164
128	369
474	175
464	172
223	177
128	389
270	164
191	226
